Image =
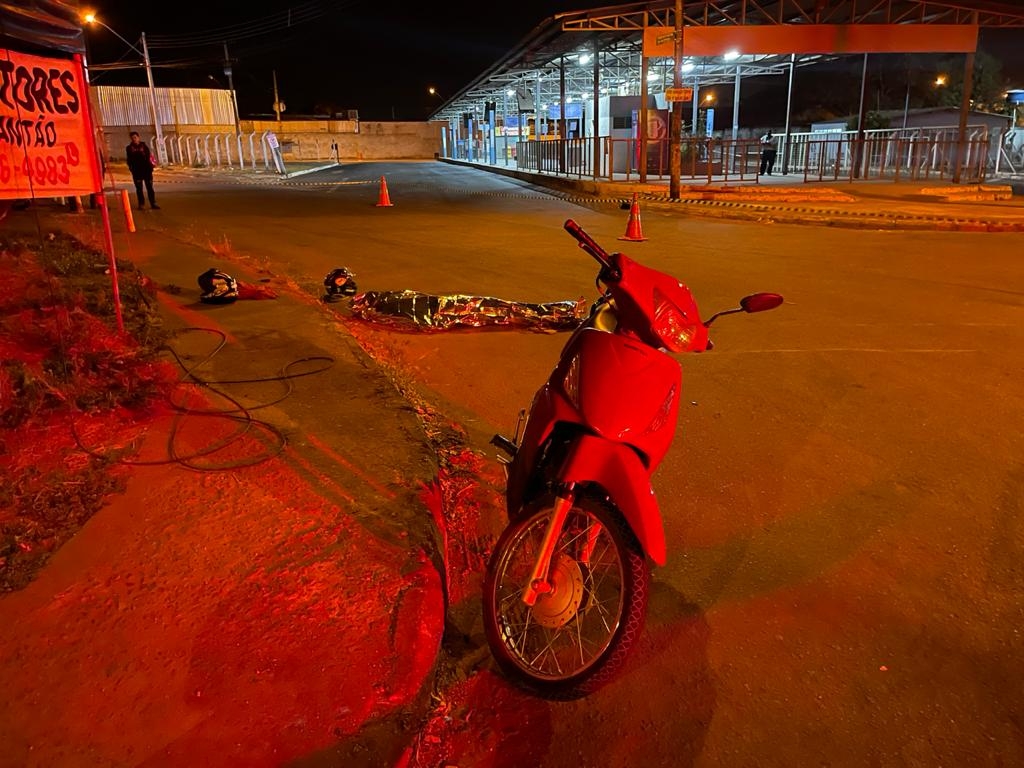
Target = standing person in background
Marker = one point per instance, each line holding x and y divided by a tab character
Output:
767	153
140	163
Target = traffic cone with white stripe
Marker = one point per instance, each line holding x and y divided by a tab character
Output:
634	231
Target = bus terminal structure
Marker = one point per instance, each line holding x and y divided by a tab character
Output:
623	91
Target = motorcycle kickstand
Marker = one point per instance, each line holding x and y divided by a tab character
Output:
511	447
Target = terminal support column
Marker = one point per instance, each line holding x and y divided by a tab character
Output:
676	123
641	134
965	106
597	111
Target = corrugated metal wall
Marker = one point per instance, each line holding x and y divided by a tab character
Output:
128	106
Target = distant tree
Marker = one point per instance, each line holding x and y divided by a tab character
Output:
872	121
987	88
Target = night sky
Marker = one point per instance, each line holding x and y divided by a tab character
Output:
377	58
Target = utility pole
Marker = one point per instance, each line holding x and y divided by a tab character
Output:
234	106
152	102
675	160
277	102
90	18
231	87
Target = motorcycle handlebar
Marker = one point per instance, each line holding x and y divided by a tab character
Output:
588	244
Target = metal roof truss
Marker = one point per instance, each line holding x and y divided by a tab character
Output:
620	72
615	32
751	12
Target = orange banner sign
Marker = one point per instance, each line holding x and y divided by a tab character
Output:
814	38
679	94
46	146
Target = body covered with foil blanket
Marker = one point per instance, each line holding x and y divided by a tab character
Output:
459	311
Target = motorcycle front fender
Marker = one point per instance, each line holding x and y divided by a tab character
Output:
621	473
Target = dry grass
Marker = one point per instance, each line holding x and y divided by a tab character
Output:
62	359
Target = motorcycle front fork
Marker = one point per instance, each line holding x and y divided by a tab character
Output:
540	580
539	583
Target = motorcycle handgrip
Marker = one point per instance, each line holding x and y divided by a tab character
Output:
588	243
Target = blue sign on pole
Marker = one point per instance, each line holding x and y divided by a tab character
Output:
711	121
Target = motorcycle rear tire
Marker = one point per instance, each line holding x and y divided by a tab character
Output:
627	581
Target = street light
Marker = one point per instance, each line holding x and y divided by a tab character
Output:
433	91
90	18
938	82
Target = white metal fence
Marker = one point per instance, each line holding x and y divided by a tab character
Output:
889	153
128	106
1010	153
219	150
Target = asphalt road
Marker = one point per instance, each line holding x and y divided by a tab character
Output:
843	504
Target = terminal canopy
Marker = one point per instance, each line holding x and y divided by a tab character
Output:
567	52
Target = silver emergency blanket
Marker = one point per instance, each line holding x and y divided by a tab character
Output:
458	311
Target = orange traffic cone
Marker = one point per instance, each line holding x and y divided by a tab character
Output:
384	201
129	220
633	229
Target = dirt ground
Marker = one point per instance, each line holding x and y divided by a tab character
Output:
250	590
843	507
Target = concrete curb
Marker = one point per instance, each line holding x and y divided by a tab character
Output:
838	218
294	174
604	192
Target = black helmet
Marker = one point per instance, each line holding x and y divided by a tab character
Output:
339	282
218	287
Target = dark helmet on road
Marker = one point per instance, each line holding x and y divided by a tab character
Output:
218	287
339	283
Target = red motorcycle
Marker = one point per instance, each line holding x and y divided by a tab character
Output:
566	588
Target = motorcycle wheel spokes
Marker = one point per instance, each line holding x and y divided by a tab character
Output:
570	627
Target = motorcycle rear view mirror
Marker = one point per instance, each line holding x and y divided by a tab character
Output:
755	302
760	302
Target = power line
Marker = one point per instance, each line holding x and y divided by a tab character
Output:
281	20
170	64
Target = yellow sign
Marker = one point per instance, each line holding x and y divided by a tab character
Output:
46	146
679	94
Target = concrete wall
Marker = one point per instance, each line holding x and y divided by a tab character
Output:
363	140
309	139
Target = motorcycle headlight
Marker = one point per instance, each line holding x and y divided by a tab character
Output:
671	325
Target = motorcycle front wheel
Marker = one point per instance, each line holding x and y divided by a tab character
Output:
575	638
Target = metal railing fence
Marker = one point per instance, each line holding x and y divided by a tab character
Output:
885	154
891	158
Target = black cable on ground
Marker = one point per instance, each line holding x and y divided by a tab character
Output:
240	413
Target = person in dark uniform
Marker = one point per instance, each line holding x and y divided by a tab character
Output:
140	163
767	153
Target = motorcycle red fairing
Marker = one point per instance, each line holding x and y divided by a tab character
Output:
616	401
